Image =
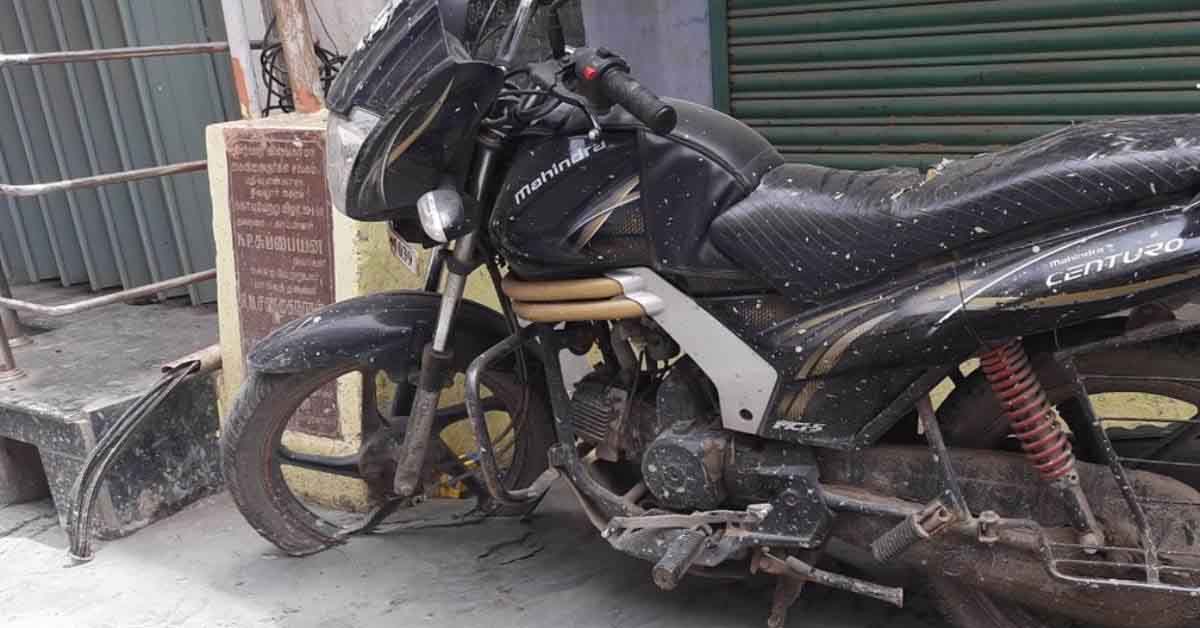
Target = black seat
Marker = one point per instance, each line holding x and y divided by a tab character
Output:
813	231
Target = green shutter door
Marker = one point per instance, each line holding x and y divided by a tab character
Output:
872	83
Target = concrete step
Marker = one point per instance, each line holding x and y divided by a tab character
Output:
82	372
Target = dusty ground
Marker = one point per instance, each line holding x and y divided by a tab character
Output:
206	568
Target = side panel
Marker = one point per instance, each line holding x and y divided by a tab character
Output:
1036	287
840	365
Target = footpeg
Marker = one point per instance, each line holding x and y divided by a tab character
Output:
920	526
680	556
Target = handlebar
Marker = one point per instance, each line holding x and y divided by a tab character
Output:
611	74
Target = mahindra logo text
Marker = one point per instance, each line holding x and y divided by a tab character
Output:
576	156
1110	262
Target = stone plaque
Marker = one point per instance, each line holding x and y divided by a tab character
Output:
283	243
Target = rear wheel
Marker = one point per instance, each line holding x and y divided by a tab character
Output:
273	483
1143	393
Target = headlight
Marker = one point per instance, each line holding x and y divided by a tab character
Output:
442	215
344	139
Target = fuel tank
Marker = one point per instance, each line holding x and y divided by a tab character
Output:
575	206
840	364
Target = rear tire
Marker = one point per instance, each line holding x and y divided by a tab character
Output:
971	418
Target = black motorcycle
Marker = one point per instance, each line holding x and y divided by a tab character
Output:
763	341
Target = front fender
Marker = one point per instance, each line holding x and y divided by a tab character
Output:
384	331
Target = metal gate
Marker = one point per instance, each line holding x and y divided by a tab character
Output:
871	83
73	120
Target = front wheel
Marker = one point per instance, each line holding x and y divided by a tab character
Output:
266	477
1143	393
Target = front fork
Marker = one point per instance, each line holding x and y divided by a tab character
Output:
436	357
435	362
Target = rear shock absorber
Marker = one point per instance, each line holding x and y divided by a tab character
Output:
1035	424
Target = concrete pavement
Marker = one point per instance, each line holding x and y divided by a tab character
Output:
206	568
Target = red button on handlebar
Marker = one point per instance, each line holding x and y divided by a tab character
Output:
590	73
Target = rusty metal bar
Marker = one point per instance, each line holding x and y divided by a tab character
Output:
304	73
38	189
109	54
207	361
10	323
241	61
123	296
9	326
8	363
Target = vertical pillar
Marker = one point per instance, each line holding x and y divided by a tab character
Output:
241	59
10	328
9	319
304	73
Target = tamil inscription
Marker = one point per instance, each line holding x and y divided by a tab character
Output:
283	243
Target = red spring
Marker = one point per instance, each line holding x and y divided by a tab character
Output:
1023	400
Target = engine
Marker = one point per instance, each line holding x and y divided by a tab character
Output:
668	427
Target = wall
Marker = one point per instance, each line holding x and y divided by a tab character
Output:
665	41
342	23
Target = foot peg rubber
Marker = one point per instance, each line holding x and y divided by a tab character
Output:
680	555
915	528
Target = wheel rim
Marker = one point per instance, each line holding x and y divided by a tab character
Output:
328	483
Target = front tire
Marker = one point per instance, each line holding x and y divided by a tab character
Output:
252	436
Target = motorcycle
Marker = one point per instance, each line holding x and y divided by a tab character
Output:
766	346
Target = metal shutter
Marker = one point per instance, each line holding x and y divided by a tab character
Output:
64	121
872	83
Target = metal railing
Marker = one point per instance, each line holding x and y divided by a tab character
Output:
11	332
110	54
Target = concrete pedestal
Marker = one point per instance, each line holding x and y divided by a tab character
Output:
283	251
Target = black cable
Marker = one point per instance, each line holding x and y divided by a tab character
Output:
479	39
106	452
275	76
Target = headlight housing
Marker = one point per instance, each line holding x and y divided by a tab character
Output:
405	110
342	145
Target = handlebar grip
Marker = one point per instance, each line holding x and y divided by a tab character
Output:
639	101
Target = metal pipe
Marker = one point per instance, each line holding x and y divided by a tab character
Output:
207	360
8	363
240	59
511	44
109	54
483	440
10	323
39	189
304	72
147	290
937	444
453	292
560	290
606	310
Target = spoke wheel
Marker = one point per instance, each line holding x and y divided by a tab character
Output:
1145	394
305	499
